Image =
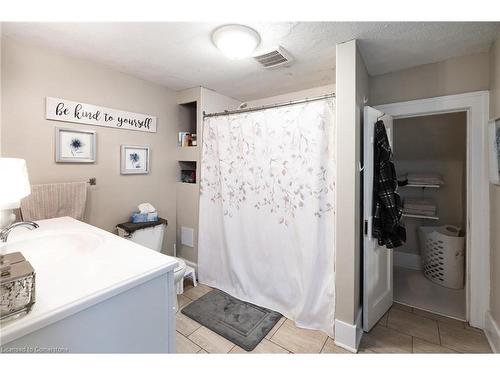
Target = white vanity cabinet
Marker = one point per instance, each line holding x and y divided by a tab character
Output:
95	293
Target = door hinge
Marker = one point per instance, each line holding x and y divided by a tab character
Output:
366	227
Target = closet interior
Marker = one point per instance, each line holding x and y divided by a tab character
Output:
430	155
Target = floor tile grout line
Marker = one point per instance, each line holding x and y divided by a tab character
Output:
455	350
275	343
196	343
201	326
187	336
396	330
441	345
191	342
193	332
424	317
323	344
282	347
277	329
435	319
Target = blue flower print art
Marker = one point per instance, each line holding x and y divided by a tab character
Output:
76	146
135	159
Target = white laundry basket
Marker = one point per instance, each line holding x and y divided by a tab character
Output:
443	255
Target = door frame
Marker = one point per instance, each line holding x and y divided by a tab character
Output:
476	104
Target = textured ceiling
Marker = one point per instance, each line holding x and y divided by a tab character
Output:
181	55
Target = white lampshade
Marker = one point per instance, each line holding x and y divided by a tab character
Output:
14	184
236	41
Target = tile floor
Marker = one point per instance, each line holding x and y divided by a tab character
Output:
412	288
402	330
407	330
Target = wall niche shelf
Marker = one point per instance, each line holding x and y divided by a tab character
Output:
191	105
187	173
188	117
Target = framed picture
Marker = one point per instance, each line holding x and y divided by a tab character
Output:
134	159
494	145
75	146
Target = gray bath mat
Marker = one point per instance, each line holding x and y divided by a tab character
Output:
240	322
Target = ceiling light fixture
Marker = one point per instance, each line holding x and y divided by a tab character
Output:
236	41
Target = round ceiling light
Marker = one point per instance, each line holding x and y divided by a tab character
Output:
236	41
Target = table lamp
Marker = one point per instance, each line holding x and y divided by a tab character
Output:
17	276
14	186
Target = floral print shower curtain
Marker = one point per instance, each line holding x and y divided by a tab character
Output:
266	209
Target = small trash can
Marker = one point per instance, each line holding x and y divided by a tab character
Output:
443	255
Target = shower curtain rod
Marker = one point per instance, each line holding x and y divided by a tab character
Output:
283	104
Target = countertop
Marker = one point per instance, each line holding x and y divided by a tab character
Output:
77	265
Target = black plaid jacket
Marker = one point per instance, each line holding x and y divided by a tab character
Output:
387	207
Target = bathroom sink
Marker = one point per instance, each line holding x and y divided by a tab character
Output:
81	269
71	243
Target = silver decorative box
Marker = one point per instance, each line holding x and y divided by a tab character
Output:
17	286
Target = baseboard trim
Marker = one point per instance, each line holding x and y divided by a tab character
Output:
492	332
348	336
407	260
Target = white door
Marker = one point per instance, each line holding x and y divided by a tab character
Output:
377	260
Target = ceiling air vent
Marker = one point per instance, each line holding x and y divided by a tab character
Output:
273	58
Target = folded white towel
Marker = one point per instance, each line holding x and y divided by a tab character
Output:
419	203
425	178
419	212
419	206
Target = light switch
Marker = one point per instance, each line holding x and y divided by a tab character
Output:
187	236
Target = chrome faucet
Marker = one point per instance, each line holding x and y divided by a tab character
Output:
4	236
4	233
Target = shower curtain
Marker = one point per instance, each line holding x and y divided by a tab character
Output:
266	210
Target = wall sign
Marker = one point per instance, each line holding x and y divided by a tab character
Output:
83	113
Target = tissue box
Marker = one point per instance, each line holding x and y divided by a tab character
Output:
137	217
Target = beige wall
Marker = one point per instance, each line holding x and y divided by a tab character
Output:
351	87
495	192
295	95
452	76
30	74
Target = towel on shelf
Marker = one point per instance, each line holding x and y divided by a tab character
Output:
417	206
48	201
424	179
